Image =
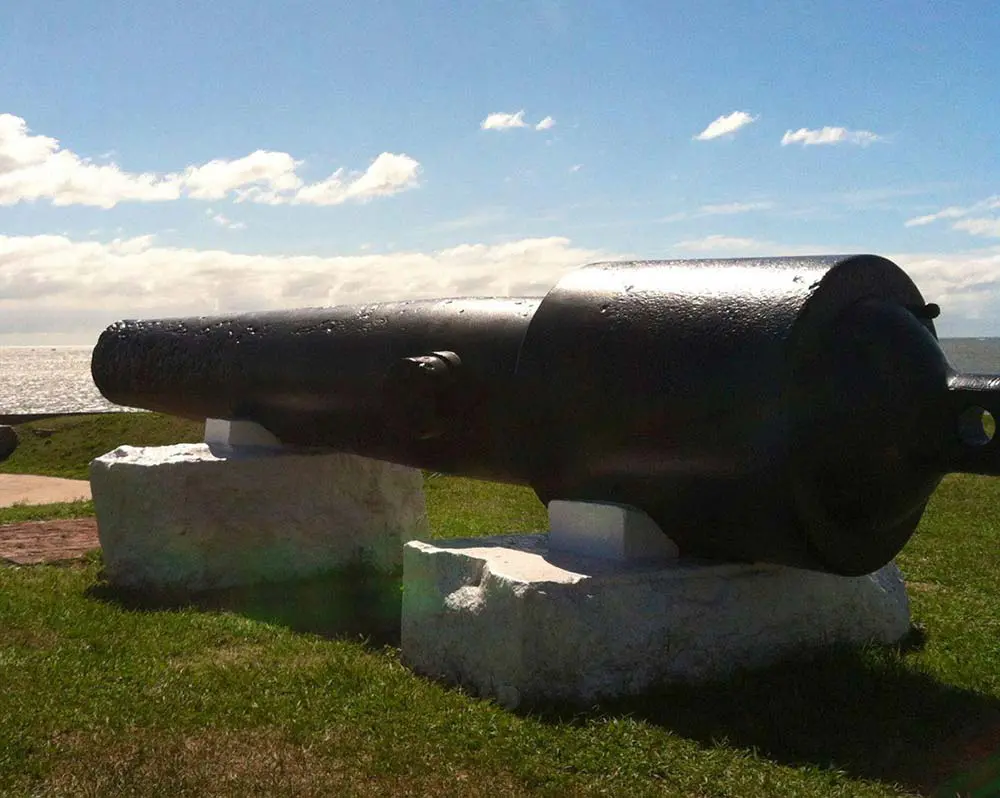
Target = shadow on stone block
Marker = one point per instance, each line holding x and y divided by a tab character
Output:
355	602
862	711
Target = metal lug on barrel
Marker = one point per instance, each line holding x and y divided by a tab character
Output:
929	311
416	392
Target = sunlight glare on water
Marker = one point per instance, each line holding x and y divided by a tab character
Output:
48	379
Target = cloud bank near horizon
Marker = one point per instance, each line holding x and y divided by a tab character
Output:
53	284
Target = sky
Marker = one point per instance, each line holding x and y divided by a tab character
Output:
163	159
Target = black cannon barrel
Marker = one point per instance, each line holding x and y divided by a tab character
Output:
362	378
789	410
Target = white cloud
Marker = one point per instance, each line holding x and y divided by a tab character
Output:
720	209
18	148
62	285
946	213
965	284
484	217
956	212
720	243
389	174
726	125
881	198
217	178
979	227
224	221
746	247
829	135
576	167
35	167
728	208
502	121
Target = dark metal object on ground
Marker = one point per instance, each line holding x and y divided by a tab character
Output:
8	442
788	410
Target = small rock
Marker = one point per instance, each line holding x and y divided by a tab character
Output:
8	442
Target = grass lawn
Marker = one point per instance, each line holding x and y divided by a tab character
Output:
63	447
100	699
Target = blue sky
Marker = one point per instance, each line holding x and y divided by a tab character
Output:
165	158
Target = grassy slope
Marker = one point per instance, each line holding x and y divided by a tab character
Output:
63	447
99	699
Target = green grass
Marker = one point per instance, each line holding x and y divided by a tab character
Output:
63	447
45	512
458	507
97	698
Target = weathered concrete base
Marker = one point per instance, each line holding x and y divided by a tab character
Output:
194	517
510	619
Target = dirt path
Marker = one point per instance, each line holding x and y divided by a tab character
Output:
37	542
29	489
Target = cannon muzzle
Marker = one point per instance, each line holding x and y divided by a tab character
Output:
789	410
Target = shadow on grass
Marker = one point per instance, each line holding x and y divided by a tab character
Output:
356	603
866	713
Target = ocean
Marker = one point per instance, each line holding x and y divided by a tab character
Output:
56	379
48	379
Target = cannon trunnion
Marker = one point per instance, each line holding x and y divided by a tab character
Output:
788	410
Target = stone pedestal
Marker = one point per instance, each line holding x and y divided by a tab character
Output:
195	517
512	619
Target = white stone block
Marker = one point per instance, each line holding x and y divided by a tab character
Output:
615	531
223	432
193	517
510	619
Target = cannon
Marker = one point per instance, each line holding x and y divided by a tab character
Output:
8	441
796	411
